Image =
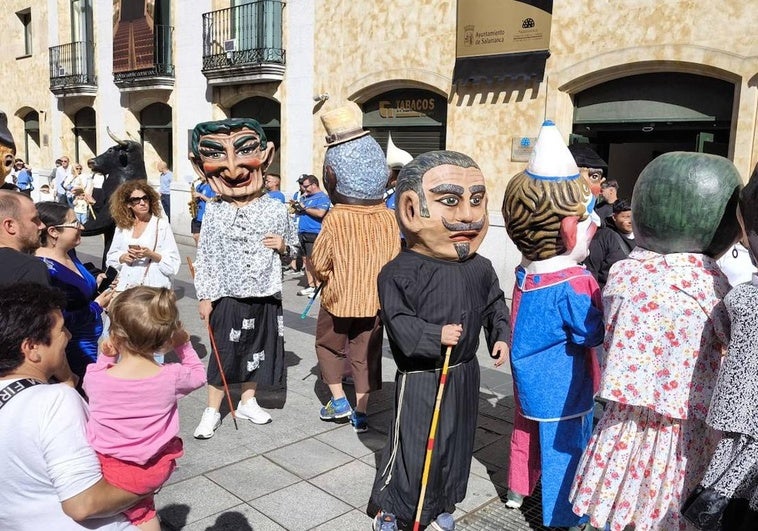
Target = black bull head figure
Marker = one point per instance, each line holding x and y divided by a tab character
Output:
120	163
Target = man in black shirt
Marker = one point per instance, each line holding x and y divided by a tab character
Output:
612	242
19	238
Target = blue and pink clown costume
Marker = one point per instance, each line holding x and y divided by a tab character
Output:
556	319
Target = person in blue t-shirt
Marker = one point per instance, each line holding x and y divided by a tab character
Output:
201	194
24	179
310	210
273	183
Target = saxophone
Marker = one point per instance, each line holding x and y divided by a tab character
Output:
193	202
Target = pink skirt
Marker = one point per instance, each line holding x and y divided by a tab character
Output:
637	468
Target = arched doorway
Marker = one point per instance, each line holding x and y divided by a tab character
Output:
266	112
85	135
157	135
631	120
416	118
31	139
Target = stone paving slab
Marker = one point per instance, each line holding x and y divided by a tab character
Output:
301	506
350	483
269	477
191	500
308	458
239	518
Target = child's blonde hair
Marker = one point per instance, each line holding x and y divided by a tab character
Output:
143	319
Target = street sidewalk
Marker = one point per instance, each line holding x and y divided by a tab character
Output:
298	472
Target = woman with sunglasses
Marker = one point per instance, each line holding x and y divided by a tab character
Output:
84	307
143	249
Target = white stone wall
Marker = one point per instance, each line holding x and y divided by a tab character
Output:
297	107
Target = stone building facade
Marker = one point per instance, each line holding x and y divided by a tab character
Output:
632	78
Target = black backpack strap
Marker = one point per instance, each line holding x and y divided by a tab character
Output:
14	388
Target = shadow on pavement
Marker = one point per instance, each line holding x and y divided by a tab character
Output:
231	521
173	517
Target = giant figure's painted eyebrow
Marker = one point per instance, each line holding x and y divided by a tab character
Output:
211	144
446	188
477	188
241	141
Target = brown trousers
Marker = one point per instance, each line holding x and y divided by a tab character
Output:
359	339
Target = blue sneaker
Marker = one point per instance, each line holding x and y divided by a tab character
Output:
384	521
443	522
336	408
359	421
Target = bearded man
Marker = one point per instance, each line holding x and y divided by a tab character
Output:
19	224
437	293
238	269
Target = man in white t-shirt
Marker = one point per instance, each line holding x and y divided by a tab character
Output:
51	476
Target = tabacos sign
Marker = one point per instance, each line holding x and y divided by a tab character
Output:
406	108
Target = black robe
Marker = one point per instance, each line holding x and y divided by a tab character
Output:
418	295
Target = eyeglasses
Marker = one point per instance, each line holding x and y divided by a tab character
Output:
137	200
73	225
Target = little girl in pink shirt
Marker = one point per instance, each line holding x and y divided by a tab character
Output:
134	420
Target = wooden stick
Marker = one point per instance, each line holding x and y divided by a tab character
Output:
218	358
430	441
223	376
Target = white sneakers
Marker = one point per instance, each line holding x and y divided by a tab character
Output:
251	411
211	420
309	291
208	424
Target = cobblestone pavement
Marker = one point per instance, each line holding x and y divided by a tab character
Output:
298	472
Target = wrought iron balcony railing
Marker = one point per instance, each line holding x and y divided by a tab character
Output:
157	71
72	69
244	43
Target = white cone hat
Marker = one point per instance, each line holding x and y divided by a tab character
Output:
551	159
396	157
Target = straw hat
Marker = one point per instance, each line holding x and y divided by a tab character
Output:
396	157
343	124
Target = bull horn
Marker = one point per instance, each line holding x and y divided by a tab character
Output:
114	137
130	136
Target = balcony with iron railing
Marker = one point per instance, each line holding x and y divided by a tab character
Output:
243	44
72	69
142	56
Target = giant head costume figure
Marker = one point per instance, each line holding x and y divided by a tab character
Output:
233	155
7	147
396	159
748	214
354	168
442	205
687	203
591	167
548	207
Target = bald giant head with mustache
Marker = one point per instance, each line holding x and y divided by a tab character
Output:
442	205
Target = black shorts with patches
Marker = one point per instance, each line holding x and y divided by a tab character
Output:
249	335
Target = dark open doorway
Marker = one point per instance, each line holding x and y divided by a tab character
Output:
631	120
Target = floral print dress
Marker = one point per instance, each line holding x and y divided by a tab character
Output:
666	330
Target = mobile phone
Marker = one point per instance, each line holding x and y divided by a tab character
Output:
134	246
110	275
